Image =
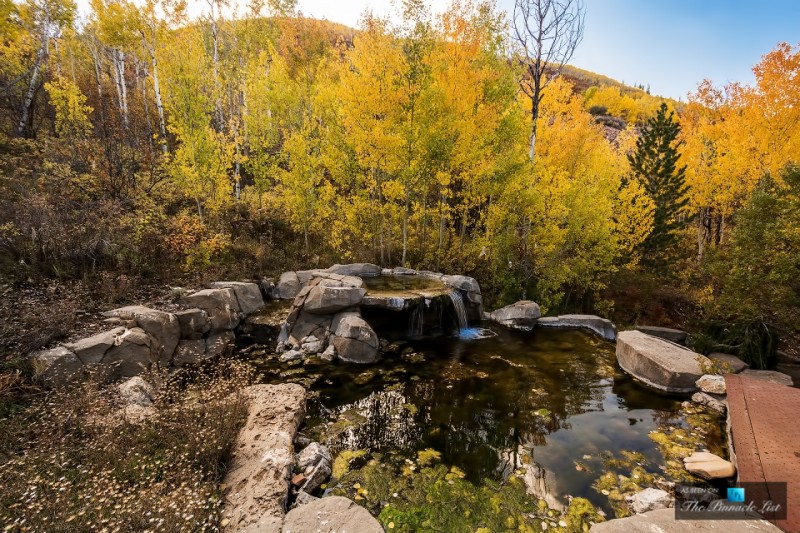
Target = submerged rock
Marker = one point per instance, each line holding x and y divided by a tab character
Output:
650	499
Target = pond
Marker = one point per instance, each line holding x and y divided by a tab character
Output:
401	284
549	406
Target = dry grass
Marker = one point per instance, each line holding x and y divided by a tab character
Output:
73	462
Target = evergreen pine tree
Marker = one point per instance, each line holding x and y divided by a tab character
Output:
655	163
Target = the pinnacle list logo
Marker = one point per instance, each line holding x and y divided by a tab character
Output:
735	494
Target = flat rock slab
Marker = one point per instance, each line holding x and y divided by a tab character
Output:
668	334
659	363
334	514
601	326
779	378
766	437
663	521
258	477
709	466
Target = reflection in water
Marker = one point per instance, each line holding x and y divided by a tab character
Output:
541	402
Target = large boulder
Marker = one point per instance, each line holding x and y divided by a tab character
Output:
711	383
131	355
248	295
354	340
356	269
659	363
56	367
468	286
325	300
668	334
91	350
288	286
194	323
664	521
137	391
520	315
220	304
308	325
600	326
162	327
334	514
258	477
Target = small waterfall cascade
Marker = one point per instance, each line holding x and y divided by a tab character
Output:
416	321
464	331
460	310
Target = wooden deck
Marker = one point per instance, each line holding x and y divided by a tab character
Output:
765	424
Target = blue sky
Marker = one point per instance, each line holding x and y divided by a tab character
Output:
671	45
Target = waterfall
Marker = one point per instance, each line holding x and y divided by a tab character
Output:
464	331
461	311
415	321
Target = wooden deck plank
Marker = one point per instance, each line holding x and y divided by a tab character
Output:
765	425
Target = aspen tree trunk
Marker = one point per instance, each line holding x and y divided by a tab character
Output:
118	60
41	53
162	124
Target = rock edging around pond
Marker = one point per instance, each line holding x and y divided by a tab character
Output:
257	483
143	338
658	363
525	315
326	320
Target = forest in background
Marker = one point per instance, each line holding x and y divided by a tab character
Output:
146	144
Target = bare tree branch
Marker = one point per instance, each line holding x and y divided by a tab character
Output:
547	32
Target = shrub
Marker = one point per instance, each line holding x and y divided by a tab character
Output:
77	460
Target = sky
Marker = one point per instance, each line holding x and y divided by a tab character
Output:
670	45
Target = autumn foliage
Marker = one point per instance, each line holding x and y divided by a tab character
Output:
255	139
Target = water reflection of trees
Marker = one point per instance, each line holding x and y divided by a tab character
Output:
482	423
482	405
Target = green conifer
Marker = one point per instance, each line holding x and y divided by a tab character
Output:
655	163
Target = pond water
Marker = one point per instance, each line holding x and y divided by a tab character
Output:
410	283
551	402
